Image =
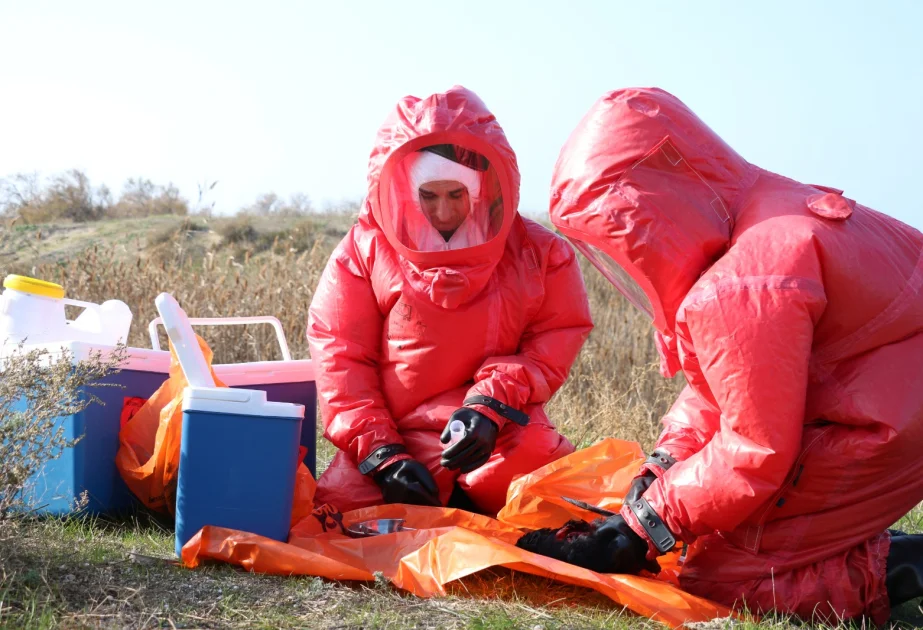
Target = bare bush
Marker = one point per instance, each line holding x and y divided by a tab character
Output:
271	205
36	390
70	196
66	196
142	198
238	231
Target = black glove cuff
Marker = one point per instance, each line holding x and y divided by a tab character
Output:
660	458
653	525
379	456
513	415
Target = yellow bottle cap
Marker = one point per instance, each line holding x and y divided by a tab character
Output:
33	286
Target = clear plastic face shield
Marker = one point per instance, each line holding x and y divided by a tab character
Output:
617	275
444	197
686	224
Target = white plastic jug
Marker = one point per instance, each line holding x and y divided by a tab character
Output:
32	311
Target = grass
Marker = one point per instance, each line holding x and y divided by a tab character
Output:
88	572
101	573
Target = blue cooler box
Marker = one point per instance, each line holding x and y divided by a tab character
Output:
90	465
238	462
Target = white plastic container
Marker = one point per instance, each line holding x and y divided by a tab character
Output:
32	311
456	432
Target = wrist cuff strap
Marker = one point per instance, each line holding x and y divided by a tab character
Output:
379	456
513	415
661	459
653	525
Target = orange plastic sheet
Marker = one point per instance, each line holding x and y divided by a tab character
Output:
449	544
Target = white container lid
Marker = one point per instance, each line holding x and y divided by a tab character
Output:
241	402
185	342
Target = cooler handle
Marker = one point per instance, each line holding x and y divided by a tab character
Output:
227	321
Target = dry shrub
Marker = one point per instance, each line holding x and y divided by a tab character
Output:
238	232
65	196
143	198
177	232
271	205
36	390
70	196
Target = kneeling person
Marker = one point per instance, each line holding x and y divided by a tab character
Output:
442	303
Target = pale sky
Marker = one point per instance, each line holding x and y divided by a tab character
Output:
287	96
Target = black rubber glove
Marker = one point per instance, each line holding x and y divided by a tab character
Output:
639	486
606	546
408	481
474	449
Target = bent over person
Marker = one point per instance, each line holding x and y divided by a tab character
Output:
796	315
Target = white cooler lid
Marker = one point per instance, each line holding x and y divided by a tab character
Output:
242	402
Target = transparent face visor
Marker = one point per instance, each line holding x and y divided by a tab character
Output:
444	197
617	275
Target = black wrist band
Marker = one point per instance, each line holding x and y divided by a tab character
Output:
379	456
661	459
513	415
653	525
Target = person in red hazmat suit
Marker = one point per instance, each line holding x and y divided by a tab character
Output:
796	315
442	303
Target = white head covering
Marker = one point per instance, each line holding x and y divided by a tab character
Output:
410	223
430	167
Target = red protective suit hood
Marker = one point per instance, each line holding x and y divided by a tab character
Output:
457	117
643	182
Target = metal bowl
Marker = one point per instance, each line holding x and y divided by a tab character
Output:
377	527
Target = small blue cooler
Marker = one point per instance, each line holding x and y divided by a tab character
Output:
238	462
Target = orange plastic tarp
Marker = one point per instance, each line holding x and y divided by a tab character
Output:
449	544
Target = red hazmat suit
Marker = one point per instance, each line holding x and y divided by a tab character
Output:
409	322
796	315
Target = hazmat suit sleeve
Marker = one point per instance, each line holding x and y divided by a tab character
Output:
344	333
549	344
687	428
753	339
